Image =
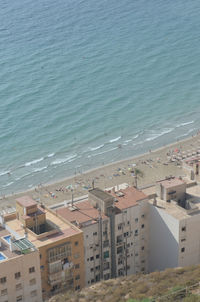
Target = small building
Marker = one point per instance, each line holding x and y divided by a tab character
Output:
171	188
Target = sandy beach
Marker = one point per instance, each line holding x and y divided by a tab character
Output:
155	165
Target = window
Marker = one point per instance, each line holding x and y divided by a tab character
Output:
128	222
97	278
19	298
142	248
136	254
4	292
78	287
183	239
136	232
92	281
17	275
106	266
97	256
183	229
91	258
142	226
32	281
136	220
77	265
119	250
119	226
92	269
76	255
88	259
143	261
182	250
106	254
76	243
31	269
34	293
142	215
77	277
97	267
18	286
3	280
95	234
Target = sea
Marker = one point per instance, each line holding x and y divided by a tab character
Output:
84	83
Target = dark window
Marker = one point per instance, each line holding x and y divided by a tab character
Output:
183	239
119	250
17	275
136	219
77	265
77	287
136	232
182	250
91	258
142	248
77	277
106	276
142	216
106	254
183	229
95	233
92	269
32	269
3	280
142	226
76	243
97	256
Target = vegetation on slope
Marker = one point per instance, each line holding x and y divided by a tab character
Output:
171	285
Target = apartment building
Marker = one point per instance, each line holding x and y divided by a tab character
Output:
174	220
114	224
59	242
20	278
96	231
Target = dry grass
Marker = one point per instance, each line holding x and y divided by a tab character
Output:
138	287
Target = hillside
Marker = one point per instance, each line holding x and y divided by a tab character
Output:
171	285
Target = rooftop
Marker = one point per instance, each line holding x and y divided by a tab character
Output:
59	229
5	245
101	194
83	212
26	201
171	182
128	197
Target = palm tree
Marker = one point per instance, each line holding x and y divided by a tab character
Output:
138	174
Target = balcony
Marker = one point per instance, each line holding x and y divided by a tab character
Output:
58	257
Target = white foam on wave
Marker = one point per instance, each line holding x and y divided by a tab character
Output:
4	173
33	162
8	184
184	124
63	160
156	135
51	155
187	133
39	169
96	148
99	153
114	139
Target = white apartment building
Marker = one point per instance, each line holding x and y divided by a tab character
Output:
114	224
20	278
96	232
174	226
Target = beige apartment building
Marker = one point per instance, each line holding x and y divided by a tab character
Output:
60	245
20	278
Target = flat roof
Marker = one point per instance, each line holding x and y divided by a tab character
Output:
101	194
171	182
26	201
64	229
5	246
82	212
129	197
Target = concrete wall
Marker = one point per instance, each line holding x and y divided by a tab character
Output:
190	241
163	240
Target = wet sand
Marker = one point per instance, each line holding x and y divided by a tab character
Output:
155	165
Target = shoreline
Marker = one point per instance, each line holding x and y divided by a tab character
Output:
106	175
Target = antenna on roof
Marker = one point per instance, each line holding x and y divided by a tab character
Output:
72	196
93	184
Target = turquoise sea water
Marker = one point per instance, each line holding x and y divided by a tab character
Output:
79	78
